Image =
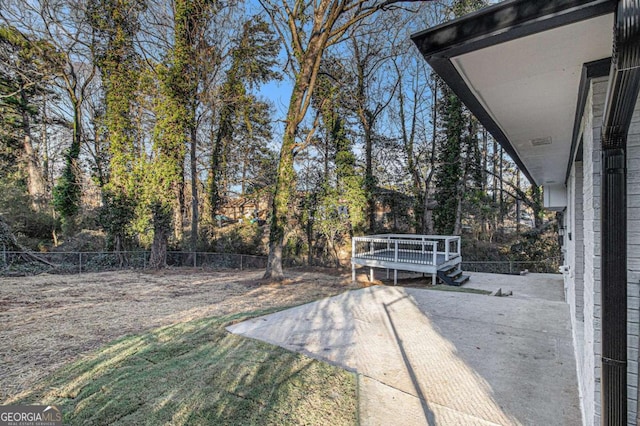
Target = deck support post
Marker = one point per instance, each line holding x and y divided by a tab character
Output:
395	277
387	273
371	278
433	279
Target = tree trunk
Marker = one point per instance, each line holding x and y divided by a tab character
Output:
457	228
501	191
194	191
218	160
518	202
158	258
280	207
536	195
369	180
285	177
179	214
485	149
161	230
35	181
427	220
427	223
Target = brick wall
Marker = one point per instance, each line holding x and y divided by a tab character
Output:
589	347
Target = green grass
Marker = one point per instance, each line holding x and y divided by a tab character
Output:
195	373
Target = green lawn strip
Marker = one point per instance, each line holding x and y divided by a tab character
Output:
196	373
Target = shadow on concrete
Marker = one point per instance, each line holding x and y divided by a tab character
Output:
439	357
428	414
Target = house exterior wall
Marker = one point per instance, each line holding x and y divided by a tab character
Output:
582	254
574	252
591	347
574	242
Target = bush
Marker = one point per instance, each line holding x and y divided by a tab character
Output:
241	238
32	229
536	245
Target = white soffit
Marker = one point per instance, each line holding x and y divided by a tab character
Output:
530	85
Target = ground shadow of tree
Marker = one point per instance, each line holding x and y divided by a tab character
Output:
197	373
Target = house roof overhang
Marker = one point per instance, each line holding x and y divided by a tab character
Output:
522	68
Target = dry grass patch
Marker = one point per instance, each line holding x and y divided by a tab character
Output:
47	321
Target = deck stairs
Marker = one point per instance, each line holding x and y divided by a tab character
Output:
452	275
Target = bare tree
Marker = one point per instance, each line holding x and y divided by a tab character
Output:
307	29
69	51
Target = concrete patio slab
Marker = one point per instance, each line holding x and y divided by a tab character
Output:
446	358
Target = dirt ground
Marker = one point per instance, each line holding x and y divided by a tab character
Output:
49	320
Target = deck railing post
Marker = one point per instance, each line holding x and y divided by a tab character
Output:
353	247
395	251
446	249
435	253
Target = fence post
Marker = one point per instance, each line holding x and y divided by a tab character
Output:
195	259
80	261
510	267
4	254
241	262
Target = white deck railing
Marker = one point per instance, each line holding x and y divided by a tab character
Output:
406	248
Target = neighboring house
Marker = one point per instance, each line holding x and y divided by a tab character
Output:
556	83
246	207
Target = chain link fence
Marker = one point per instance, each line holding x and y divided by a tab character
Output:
18	263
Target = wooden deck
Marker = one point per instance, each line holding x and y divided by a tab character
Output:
406	252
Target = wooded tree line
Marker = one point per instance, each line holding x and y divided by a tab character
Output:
144	117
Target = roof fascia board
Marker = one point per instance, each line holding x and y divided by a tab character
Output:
488	27
504	22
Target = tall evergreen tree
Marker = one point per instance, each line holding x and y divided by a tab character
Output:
176	128
342	201
449	174
452	158
25	71
116	23
254	56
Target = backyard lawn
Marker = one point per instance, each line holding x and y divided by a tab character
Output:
151	348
